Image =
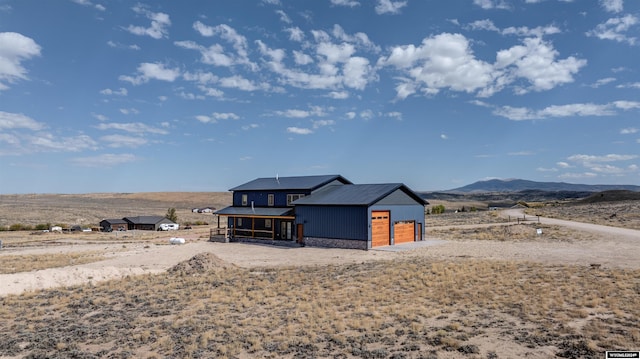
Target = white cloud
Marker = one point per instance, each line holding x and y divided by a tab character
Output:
602	82
118	141
542	169
612	5
158	27
133	127
615	29
389	6
299	131
589	159
338	95
322	123
152	71
444	136
492	4
49	142
217	116
295	113
596	165
570	110
99	117
250	126
104	161
11	121
349	3
524	31
395	115
89	3
295	34
577	176
446	61
563	165
120	92
535	61
633	85
129	111
301	58
441	61
225	116
241	83
216	54
14	49
283	16
205	119
628	131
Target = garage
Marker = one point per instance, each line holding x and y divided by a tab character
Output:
404	232
361	216
380	229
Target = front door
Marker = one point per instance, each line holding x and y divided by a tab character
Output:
285	230
300	232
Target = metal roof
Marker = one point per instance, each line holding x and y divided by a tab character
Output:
289	183
258	211
355	195
146	219
114	220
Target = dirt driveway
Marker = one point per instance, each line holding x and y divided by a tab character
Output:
617	248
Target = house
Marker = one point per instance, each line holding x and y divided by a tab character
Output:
326	211
263	208
147	223
109	225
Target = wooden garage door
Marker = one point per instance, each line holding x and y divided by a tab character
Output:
403	232
380	229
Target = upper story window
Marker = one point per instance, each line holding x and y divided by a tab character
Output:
245	199
293	197
270	199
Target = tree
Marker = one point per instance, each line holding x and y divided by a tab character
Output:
171	215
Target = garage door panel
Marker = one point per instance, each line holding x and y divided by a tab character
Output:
404	232
380	228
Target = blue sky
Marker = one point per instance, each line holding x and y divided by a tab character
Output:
124	96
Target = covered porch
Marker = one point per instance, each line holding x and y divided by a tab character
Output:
259	223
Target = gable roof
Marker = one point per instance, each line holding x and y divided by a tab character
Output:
114	221
147	219
289	183
355	195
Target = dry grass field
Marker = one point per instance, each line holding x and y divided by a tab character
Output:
89	209
625	214
390	305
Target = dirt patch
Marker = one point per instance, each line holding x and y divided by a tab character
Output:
200	264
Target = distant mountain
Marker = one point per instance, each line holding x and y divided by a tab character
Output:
517	185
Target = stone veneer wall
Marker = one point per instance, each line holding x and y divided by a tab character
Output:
335	243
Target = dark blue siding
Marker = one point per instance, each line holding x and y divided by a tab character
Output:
343	222
261	198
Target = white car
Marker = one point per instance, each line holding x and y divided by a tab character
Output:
169	227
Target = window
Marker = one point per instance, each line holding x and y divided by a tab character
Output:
293	197
239	222
270	199
267	223
245	199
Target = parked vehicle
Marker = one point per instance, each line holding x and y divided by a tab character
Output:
168	227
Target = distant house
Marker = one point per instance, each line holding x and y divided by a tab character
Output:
146	223
326	211
109	225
